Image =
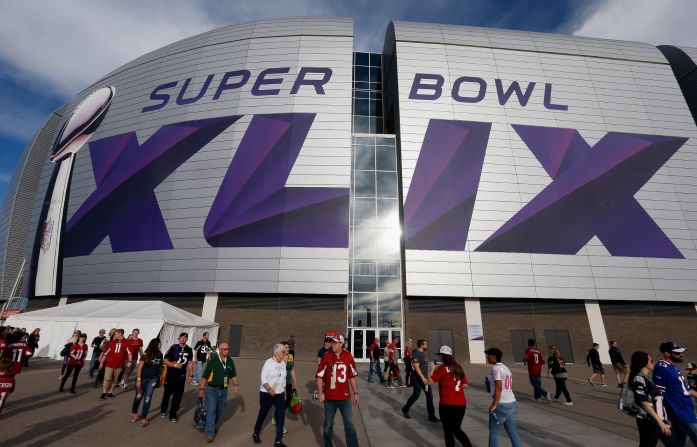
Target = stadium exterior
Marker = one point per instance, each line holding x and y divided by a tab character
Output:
469	185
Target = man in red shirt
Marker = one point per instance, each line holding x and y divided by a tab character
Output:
534	359
114	358
335	372
17	351
135	346
7	381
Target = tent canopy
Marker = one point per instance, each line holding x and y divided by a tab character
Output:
152	318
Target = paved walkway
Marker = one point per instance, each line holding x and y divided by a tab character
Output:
539	424
37	415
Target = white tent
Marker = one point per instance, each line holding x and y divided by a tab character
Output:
153	318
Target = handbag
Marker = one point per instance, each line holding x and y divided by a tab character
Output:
200	415
627	405
163	376
296	403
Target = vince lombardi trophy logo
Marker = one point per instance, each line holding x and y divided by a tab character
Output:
78	128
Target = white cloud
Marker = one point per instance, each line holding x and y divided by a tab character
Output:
664	22
70	44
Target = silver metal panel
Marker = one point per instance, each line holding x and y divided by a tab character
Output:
185	197
609	86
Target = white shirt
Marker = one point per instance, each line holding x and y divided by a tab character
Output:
274	374
501	372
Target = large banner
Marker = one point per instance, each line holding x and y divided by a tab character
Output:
222	165
544	167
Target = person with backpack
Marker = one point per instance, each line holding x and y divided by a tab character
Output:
556	365
651	418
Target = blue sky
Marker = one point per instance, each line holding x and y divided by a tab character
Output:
80	41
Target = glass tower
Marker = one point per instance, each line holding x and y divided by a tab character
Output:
375	283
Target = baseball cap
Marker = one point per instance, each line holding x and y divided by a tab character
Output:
445	350
690	366
184	334
669	346
329	336
496	352
337	338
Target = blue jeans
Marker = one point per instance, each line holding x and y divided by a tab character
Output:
344	406
507	415
680	431
266	401
199	370
536	382
148	386
418	386
375	367
214	402
94	364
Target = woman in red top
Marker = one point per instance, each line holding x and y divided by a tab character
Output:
451	380
76	359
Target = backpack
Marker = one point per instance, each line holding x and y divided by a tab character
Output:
200	415
66	350
627	404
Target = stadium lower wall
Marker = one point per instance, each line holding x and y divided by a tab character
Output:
644	327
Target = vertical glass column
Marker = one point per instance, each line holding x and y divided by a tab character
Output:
375	273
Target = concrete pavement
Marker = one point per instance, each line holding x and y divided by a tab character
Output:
37	415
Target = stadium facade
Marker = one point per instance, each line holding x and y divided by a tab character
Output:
467	185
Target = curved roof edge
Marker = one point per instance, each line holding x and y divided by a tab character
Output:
259	29
526	41
683	62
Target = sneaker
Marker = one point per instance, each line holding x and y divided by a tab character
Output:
279	444
103	396
163	415
568	404
256	438
391	386
60	377
123	385
285	430
603	384
144	423
433	419
134	417
591	382
549	398
195	383
173	420
73	391
402	386
534	399
406	414
110	396
273	421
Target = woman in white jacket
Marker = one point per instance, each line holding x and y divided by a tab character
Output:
272	393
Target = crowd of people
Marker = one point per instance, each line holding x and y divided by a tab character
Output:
663	396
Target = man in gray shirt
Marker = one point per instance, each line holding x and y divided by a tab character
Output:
419	382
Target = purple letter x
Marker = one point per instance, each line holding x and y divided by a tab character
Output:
592	195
